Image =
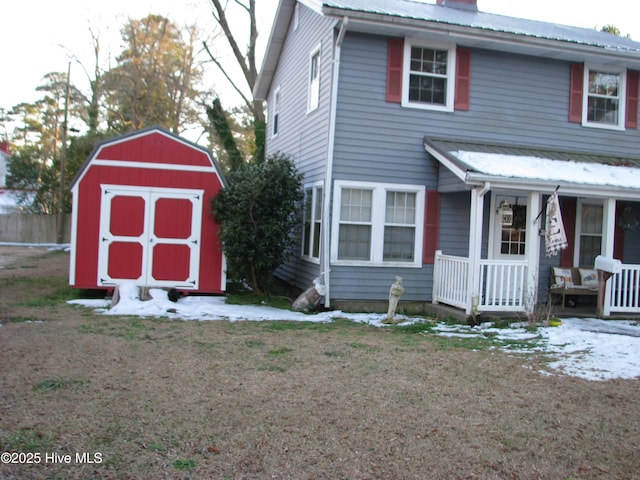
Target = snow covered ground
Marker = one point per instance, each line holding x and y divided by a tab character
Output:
587	348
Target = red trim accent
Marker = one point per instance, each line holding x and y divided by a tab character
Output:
618	235
575	97
431	226
395	52
633	92
463	79
569	209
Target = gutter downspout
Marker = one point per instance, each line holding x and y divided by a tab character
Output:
328	190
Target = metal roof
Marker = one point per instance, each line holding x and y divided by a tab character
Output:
414	10
465	27
447	146
538	169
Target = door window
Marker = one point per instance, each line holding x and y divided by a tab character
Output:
510	235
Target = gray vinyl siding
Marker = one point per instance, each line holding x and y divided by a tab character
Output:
454	223
370	148
366	283
514	99
370	144
448	182
302	135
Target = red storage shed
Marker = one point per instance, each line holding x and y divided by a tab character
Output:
141	214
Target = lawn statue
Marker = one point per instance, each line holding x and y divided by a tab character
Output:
395	293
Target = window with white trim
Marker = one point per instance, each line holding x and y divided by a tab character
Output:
312	221
313	97
589	220
378	224
429	75
604	97
276	112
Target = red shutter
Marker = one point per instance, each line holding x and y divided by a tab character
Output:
575	97
431	226
569	208
633	90
395	52
463	79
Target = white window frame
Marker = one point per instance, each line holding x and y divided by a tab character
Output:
313	93
451	74
378	212
580	234
495	232
622	96
316	206
275	117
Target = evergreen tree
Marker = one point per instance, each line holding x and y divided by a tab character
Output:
257	213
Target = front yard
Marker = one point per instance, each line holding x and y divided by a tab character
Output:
130	397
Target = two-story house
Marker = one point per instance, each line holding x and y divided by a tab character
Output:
431	137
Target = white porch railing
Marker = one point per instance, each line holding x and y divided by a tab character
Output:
502	284
451	280
622	293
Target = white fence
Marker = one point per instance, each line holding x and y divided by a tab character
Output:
502	284
623	291
451	280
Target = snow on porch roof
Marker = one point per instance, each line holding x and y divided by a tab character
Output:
538	169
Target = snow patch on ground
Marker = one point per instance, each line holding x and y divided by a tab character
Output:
590	348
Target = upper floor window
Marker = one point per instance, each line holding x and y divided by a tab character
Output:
429	76
604	98
314	80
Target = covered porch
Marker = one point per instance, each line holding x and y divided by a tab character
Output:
502	287
506	268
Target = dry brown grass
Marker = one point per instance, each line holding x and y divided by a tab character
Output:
246	400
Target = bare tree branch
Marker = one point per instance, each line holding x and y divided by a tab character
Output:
247	101
249	75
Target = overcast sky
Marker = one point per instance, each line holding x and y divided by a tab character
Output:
38	36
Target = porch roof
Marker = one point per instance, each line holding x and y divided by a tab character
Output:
535	169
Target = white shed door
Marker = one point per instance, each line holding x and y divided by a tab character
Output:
149	236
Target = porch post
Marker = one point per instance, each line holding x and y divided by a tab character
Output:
475	243
608	233
533	253
608	226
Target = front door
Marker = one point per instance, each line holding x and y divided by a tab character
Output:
149	236
510	229
503	278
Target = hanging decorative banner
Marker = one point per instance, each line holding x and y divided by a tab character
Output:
555	236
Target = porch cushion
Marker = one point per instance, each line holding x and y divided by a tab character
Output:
588	278
563	277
